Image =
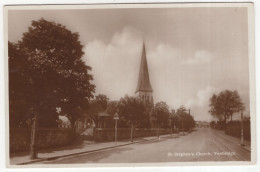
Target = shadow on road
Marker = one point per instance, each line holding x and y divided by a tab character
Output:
159	140
152	141
91	157
194	129
171	137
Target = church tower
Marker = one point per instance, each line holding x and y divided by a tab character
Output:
144	89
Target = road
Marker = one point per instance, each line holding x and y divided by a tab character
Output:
203	144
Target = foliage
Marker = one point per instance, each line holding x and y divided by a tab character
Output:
185	120
46	71
131	111
112	107
146	122
225	104
173	120
99	104
212	124
102	100
160	115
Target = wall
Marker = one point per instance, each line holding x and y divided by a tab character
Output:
108	134
20	138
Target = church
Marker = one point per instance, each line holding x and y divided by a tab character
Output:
144	89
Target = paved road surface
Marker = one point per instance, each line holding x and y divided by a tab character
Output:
201	145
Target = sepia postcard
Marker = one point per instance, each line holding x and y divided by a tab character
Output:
130	85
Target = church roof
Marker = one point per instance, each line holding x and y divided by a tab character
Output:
143	79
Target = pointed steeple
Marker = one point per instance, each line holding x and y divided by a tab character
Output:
143	79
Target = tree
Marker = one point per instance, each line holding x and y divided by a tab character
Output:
173	120
131	111
19	110
144	122
185	120
46	71
212	124
112	107
160	115
99	104
225	104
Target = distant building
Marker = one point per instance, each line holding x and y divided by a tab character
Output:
200	124
144	89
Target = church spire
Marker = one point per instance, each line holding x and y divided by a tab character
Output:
143	84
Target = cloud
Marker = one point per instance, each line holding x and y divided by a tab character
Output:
199	104
162	60
164	55
115	65
202	97
200	57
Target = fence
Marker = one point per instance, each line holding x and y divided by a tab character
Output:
108	134
20	138
234	129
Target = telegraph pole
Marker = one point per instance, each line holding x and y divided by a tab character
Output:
182	125
182	121
116	117
242	130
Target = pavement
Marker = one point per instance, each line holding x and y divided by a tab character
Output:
246	146
206	144
23	158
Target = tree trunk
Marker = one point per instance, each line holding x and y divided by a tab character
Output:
231	116
94	134
33	146
132	131
171	130
225	122
74	129
158	132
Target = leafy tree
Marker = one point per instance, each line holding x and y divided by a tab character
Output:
46	71
225	104
19	107
99	104
212	124
112	107
145	122
185	120
173	120
160	115
131	111
102	100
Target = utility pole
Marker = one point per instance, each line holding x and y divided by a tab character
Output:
182	121
116	132
182	125
242	130
116	117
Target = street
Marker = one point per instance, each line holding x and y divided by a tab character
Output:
203	144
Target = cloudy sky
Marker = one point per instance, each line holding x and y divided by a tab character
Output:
191	52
